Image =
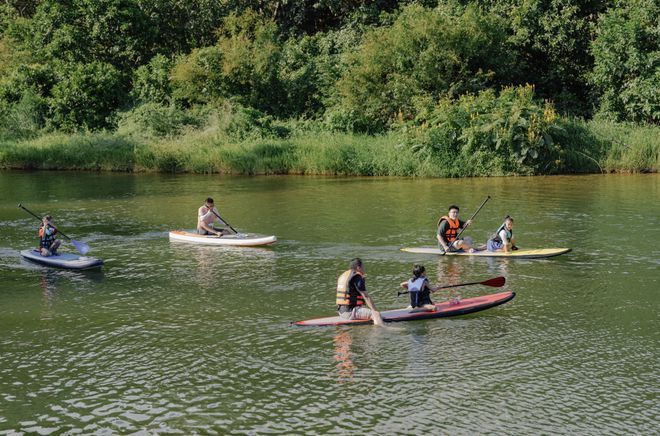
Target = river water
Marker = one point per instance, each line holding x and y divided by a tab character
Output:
175	338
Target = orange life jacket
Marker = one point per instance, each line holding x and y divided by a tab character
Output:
344	295
452	231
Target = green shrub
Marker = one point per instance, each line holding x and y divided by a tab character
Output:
24	118
509	133
157	120
426	54
627	61
86	95
151	82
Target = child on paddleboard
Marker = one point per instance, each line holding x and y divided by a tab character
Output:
503	239
419	290
48	245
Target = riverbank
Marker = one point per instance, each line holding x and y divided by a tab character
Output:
586	147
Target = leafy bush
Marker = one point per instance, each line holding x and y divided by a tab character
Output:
24	118
509	133
156	120
151	82
627	61
247	123
424	55
86	95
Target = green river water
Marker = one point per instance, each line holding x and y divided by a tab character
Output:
175	338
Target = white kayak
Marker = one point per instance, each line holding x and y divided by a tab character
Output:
63	260
239	239
518	254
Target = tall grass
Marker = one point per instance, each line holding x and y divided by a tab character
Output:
629	147
590	147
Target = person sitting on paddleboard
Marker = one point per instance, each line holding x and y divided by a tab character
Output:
419	290
503	239
48	245
352	295
207	215
448	228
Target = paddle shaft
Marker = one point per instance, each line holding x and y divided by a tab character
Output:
495	283
221	219
471	218
41	220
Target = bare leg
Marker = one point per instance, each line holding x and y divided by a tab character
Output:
206	227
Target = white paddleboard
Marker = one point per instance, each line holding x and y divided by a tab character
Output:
240	239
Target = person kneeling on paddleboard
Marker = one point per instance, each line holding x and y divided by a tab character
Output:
419	290
503	239
448	228
48	245
352	295
207	215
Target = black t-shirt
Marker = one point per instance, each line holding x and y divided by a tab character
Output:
355	287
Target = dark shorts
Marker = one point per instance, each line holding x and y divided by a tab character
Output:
418	299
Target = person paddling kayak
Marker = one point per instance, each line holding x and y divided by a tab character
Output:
352	295
503	239
48	245
448	228
207	216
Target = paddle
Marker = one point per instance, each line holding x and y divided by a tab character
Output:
471	218
495	283
228	225
80	246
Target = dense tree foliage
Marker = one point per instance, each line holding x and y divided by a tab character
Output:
627	61
362	66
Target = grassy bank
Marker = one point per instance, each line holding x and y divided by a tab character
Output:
587	147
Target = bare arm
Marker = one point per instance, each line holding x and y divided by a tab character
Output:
375	314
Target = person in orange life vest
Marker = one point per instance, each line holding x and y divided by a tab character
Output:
48	245
419	290
352	295
206	218
448	228
503	239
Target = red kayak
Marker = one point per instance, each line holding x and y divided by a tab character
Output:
443	310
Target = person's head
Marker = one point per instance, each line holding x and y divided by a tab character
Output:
418	270
47	219
209	202
453	211
356	264
508	222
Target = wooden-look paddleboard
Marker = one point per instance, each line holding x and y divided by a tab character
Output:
518	254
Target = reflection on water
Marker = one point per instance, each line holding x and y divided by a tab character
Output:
344	364
177	338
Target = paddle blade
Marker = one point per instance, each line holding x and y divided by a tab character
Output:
496	282
80	246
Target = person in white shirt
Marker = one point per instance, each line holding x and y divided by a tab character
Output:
420	291
207	216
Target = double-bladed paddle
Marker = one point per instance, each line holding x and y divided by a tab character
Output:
80	246
495	283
